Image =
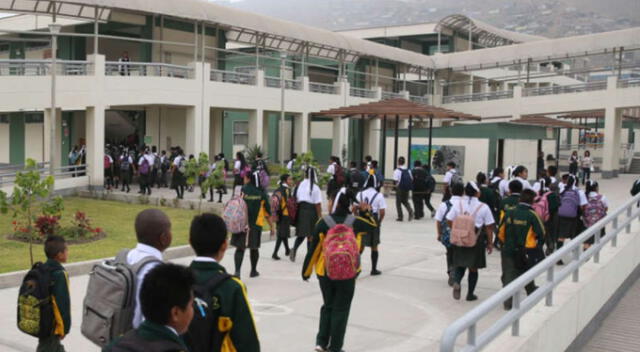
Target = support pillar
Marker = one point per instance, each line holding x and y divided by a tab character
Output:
193	122
215	132
301	127
338	137
95	116
611	150
257	129
47	155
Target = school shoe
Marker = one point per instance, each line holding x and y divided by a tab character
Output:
293	255
451	280
433	214
456	291
410	216
254	273
375	272
319	349
399	219
275	257
471	297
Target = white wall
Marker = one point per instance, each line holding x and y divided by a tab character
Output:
33	141
4	142
521	152
321	129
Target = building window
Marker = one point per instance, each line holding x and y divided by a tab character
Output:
240	132
34	118
4	118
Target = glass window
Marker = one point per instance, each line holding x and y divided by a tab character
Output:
241	133
4	118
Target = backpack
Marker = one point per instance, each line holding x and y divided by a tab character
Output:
368	201
166	164
594	211
182	168
236	215
569	203
356	181
340	249
431	184
276	209
264	178
338	176
405	184
124	164
110	301
455	178
157	163
635	189
541	206
133	342
144	167
292	207
463	229
419	179
444	225
204	334
35	310
107	162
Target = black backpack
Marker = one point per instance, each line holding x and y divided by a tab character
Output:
356	180
419	179
203	334
35	309
133	342
431	184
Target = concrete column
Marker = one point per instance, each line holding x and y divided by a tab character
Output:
256	128
517	97
153	126
215	132
98	62
338	140
611	151
95	145
301	133
48	119
405	94
193	132
305	83
373	130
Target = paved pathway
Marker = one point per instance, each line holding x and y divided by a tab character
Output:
404	309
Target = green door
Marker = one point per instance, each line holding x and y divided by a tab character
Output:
16	138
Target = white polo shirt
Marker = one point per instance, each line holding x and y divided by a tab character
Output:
302	193
448	175
442	208
135	255
370	194
469	205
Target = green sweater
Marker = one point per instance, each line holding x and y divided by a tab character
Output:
256	200
60	294
521	227
149	337
234	305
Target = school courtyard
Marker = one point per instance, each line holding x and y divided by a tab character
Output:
405	309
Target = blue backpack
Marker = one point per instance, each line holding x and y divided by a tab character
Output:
406	183
569	203
444	225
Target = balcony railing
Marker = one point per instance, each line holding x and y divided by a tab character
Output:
274	82
147	69
391	95
233	77
419	99
573	88
452	99
8	177
362	93
629	82
323	88
43	67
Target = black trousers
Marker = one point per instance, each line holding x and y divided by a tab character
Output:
402	199
420	199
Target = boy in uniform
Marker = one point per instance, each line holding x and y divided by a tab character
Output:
57	253
510	202
521	232
208	238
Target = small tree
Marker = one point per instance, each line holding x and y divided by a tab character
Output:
304	161
30	197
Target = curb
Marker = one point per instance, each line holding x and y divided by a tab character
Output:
14	278
153	201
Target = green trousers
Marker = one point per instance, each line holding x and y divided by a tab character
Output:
50	344
334	314
510	273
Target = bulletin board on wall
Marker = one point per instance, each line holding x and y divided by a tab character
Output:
441	155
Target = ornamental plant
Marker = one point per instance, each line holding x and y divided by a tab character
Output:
31	195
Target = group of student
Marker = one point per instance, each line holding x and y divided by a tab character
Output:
528	221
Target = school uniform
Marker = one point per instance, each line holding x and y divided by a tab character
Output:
135	255
440	217
336	295
521	232
149	337
488	197
402	195
332	186
307	215
525	183
145	179
509	203
592	196
236	316
568	226
503	186
284	221
472	257
178	179
377	202
257	204
421	195
126	163
61	308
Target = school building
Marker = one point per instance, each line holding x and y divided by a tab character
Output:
216	79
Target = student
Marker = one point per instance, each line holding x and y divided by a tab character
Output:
378	207
355	181
522	174
108	169
309	199
450	177
431	187
336	295
284	221
374	170
165	165
178	180
596	209
568	212
522	236
368	160
551	225
258	210
145	164
512	200
208	238
239	166
573	163
404	183
126	163
420	190
488	196
552	172
442	227
499	183
291	162
472	258
540	164
166	297
337	180
586	163
57	252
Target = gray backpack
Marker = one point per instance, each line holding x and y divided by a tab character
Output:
110	301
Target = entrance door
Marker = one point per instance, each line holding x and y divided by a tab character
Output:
16	138
500	159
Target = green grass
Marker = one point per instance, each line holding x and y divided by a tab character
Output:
115	218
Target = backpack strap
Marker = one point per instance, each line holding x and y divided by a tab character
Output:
349	221
475	212
215	281
121	257
143	262
374	197
329	221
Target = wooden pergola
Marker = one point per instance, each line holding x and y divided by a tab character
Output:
584	116
401	109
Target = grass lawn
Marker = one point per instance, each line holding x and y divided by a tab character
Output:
115	218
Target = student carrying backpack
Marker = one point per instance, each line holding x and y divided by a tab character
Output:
594	210
340	249
35	310
463	228
541	206
236	214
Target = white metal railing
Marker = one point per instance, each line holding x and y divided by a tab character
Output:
520	306
573	88
391	95
465	98
323	88
8	177
19	67
419	99
147	69
362	93
275	82
629	82
233	77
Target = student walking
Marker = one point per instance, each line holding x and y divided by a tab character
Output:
258	211
586	163
126	163
338	179
521	174
450	178
499	183
378	207
522	236
337	294
443	229
108	170
573	163
568	212
488	196
404	184
145	165
283	193
596	209
178	179
239	169
235	328
546	204
470	255
309	199
421	190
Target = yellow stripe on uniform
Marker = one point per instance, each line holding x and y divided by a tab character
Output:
246	299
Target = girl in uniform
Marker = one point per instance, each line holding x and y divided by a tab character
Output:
521	174
378	206
239	166
258	210
568	212
472	258
309	199
596	208
284	221
178	181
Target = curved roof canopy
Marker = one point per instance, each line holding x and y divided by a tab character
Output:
241	26
545	121
401	107
486	34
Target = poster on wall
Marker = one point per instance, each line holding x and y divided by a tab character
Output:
440	156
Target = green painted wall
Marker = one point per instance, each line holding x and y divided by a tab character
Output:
16	138
321	149
356	135
67	133
227	129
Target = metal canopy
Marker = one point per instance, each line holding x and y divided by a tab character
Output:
594	114
545	121
74	9
486	34
401	107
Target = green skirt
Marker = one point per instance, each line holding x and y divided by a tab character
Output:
307	219
471	257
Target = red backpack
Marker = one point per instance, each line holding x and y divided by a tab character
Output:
276	204
340	249
594	211
339	175
107	162
541	206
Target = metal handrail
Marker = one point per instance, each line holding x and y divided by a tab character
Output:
629	82
68	170
391	95
39	67
147	69
465	98
274	82
469	321
362	92
233	77
323	88
572	88
419	99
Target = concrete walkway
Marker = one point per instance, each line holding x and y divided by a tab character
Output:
404	309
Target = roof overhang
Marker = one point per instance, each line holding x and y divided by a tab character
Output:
486	34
